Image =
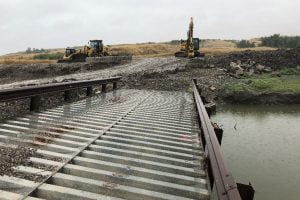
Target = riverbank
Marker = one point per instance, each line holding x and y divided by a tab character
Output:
260	77
279	87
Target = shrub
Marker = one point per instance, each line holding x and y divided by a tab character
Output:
34	50
261	84
235	87
245	44
279	41
174	42
290	71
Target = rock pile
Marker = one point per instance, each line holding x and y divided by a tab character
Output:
273	59
247	68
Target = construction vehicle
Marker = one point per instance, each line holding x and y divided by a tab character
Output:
95	49
189	48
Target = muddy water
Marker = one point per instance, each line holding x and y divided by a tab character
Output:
264	148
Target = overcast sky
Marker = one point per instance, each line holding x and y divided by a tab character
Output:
61	23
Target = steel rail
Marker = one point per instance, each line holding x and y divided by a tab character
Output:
31	91
225	185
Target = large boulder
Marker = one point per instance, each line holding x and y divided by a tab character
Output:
259	67
236	69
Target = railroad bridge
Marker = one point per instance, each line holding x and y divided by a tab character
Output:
121	144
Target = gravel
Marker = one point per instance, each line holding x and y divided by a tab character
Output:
178	78
12	157
15	156
30	177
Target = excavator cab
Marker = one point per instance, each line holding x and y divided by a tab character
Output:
72	55
97	45
69	51
196	44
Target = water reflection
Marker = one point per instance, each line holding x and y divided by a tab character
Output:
264	148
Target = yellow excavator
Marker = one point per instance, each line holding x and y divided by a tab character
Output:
189	48
95	49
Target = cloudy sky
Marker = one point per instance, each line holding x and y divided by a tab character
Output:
61	23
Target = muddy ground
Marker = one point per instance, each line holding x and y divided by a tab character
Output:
19	72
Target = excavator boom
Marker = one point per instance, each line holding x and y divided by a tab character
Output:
189	47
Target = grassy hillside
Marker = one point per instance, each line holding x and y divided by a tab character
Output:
209	47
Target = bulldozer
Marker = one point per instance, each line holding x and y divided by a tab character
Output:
189	48
95	49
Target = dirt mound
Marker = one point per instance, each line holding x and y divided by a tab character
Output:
16	72
274	59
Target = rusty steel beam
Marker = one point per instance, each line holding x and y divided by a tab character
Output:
32	91
222	180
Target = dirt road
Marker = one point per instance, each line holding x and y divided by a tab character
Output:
150	73
136	66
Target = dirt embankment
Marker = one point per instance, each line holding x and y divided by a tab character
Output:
267	77
18	72
22	75
280	58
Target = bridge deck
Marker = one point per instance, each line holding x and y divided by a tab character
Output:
126	144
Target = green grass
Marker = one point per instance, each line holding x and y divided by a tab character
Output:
290	71
190	90
235	87
265	84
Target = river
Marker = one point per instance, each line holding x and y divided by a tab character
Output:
261	144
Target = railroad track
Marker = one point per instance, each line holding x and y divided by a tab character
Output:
125	144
